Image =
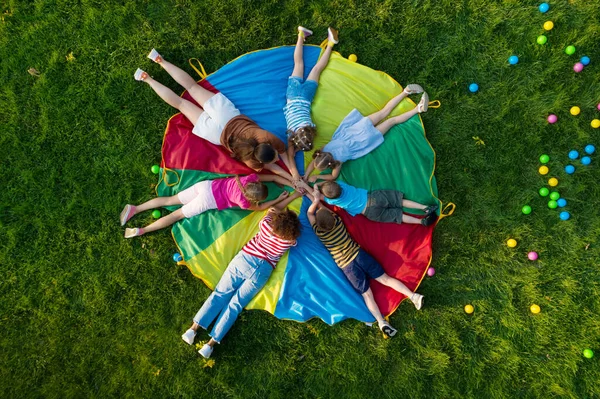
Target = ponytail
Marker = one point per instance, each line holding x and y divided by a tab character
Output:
254	191
324	160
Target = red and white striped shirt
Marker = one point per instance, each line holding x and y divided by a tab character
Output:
266	245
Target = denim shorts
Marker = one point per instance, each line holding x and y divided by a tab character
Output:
361	269
303	90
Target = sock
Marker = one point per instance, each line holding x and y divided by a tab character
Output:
140	231
330	43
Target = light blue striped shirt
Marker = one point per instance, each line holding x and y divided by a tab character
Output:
297	114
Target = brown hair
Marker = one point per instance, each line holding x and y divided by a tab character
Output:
253	191
324	160
331	189
302	139
325	219
285	224
246	149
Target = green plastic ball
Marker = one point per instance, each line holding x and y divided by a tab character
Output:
544	158
156	214
570	50
588	353
544	191
541	39
155	169
554	195
526	210
552	204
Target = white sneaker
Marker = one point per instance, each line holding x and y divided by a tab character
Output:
154	56
332	35
130	233
413	88
304	31
189	336
206	351
140	75
126	214
417	300
387	329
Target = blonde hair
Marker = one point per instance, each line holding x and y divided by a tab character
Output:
253	191
303	138
331	189
324	160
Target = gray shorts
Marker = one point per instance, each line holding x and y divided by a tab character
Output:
384	206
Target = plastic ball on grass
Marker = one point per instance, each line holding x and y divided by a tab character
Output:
595	123
352	58
469	309
430	271
553	182
573	154
155	169
535	309
177	257
541	40
544	158
544	7
578	67
564	215
552	204
575	110
554	195
552	118
548	25
544	192
570	169
526	210
588	353
586	160
532	255
570	50
511	243
513	60
585	60
543	170
598	107
473	87
561	202
156	214
590	149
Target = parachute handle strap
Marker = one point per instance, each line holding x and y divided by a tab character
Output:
435	104
200	71
448	210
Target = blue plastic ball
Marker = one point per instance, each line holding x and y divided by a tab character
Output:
513	59
585	60
473	87
564	215
177	257
570	169
544	7
573	154
586	160
590	149
561	202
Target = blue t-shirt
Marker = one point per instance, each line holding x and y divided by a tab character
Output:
353	199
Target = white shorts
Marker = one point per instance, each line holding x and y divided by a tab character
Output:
197	199
218	110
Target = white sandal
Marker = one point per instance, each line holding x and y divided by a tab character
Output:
423	104
139	75
154	55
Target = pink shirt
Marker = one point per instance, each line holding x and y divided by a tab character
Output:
266	245
228	194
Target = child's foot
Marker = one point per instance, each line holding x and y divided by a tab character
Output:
130	233
423	104
429	219
140	75
154	56
413	89
206	351
127	213
417	300
387	329
302	31
431	209
189	336
332	35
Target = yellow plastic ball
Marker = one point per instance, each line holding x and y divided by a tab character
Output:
511	243
535	309
352	58
469	309
548	25
543	170
553	182
575	111
595	123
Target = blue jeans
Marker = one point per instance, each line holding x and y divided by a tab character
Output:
243	278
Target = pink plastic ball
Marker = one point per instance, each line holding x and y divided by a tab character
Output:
552	118
430	272
532	255
598	106
578	67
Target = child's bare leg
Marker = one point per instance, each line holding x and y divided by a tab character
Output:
387	109
299	57
395	284
315	73
190	110
165	221
385	126
157	203
414	205
199	93
410	219
211	343
372	306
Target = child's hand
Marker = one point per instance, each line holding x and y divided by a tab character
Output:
313	178
283	195
317	194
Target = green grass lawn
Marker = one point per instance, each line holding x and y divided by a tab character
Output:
85	313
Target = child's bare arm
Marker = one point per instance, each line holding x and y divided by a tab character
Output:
276	178
286	201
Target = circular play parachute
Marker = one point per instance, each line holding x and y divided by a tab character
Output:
306	283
